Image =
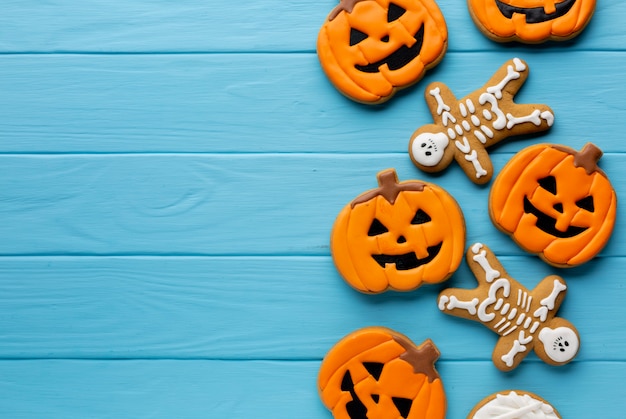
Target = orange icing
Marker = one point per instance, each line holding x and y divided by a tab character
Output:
378	373
567	223
382	45
531	21
398	236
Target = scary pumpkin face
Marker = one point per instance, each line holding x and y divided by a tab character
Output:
531	21
376	373
398	236
555	202
370	48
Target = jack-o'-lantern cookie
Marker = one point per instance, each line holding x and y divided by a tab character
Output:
555	202
377	373
398	236
531	21
463	129
514	405
371	48
525	320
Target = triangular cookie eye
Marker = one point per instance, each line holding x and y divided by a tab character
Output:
394	12
420	217
374	368
356	36
586	203
403	405
376	228
549	184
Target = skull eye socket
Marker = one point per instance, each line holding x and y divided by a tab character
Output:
394	12
586	204
420	217
549	184
376	228
356	36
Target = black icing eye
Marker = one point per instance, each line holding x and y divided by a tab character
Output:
420	217
549	184
356	36
376	228
394	12
403	405
586	203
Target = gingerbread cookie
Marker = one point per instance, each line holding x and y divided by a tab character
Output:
371	48
555	202
376	372
463	129
398	236
531	21
514	405
525	320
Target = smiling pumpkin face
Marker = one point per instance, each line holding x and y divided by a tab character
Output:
531	21
555	202
371	48
398	236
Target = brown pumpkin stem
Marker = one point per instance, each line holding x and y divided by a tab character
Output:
344	5
422	358
588	158
389	188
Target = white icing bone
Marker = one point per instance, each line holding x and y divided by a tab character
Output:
441	106
518	348
550	300
473	158
454	302
533	117
496	90
480	257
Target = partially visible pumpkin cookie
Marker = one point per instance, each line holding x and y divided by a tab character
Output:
371	48
398	236
531	21
377	372
555	202
514	405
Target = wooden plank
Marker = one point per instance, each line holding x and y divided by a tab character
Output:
190	389
274	103
214	204
200	26
240	308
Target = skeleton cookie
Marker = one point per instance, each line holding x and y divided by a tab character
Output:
464	128
525	320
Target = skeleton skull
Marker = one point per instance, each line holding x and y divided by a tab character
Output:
427	148
560	344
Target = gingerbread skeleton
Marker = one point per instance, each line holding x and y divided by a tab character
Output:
463	129
525	320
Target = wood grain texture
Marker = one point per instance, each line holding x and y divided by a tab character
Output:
169	176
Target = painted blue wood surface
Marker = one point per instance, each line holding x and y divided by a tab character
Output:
169	175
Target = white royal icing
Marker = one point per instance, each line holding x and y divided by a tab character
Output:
515	406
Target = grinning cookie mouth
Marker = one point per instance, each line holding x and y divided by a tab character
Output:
535	14
408	260
547	224
399	58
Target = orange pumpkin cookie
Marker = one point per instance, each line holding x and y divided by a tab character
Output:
377	373
370	48
531	21
514	405
398	236
463	129
525	320
555	202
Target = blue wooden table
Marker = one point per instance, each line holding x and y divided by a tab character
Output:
169	175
